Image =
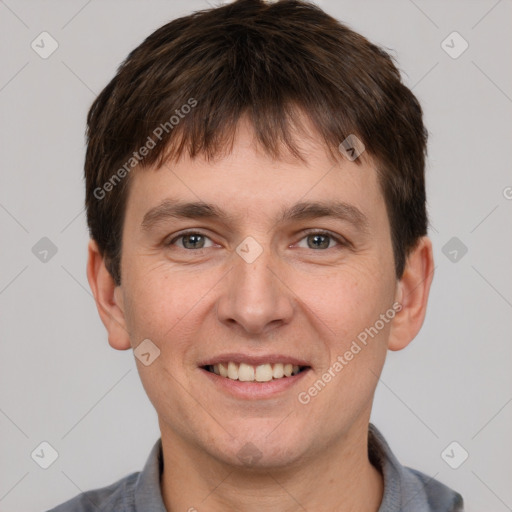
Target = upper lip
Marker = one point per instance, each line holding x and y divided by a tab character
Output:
253	359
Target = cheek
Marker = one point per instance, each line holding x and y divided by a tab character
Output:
355	345
155	305
167	306
356	336
163	308
347	300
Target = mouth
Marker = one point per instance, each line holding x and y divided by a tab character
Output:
245	372
245	376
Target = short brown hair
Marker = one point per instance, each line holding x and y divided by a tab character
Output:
269	62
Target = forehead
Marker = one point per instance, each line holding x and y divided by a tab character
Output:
247	181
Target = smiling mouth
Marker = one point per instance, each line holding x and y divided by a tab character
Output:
255	373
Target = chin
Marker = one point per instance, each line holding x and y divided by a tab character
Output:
260	448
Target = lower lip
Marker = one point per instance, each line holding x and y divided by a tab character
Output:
255	390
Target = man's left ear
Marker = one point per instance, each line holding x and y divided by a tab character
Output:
412	293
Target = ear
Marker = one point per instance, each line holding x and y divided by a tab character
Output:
108	299
412	293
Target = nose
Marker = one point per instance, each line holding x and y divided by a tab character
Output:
255	298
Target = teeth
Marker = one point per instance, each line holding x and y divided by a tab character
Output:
245	373
248	373
222	369
264	373
278	371
232	371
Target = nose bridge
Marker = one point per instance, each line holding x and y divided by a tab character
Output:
254	297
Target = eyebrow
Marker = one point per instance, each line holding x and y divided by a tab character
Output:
175	209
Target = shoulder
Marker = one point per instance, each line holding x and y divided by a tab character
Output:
138	491
118	496
407	489
438	496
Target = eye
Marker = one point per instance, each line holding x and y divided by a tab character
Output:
190	240
194	240
321	240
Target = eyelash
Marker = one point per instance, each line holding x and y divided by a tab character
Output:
339	240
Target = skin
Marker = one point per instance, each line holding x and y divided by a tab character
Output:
294	299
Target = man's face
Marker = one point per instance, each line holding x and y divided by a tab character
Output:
254	287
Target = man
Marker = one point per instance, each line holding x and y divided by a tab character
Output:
256	201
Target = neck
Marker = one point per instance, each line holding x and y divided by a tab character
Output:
340	479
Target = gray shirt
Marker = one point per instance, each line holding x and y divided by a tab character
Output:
405	489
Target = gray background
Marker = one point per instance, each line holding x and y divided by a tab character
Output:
60	381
